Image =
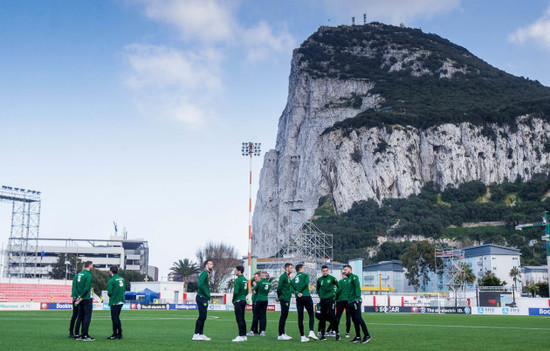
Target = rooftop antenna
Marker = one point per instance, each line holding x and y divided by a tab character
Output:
353	21
364	18
116	228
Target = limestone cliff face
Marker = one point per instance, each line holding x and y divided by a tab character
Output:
379	162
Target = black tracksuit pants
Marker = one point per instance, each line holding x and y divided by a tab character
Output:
202	304
240	307
356	316
115	318
84	315
285	306
307	303
340	307
72	329
254	327
327	315
261	306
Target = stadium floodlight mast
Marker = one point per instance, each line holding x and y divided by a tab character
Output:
250	149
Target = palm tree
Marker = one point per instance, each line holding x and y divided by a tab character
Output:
515	273
463	275
185	268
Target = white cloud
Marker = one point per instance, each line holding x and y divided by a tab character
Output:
389	11
171	84
207	21
215	23
261	41
180	85
538	31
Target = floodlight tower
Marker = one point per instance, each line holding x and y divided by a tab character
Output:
250	149
25	223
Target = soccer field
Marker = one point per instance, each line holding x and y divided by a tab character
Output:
172	330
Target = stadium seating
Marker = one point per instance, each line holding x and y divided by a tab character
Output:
36	292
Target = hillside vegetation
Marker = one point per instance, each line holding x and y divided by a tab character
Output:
440	215
425	80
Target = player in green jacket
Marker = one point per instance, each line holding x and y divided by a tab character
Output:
83	299
254	326
300	283
240	290
354	305
74	332
202	299
262	288
284	294
342	303
116	287
326	287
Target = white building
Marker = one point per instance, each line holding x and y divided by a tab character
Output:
531	275
386	274
169	292
495	258
131	255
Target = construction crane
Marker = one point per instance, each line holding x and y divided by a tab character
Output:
546	237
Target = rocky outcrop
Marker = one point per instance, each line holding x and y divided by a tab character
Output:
376	163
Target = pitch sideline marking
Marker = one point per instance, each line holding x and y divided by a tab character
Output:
458	326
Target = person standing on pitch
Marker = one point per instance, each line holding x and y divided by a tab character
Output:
116	287
202	299
262	288
342	303
300	283
284	294
84	300
240	290
254	327
326	286
354	305
74	332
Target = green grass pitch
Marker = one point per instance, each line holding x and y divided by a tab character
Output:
172	330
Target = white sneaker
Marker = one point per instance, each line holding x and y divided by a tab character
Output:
250	333
244	338
262	333
312	335
288	336
196	337
205	338
304	339
238	339
283	337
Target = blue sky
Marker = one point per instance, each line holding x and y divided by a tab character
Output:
134	111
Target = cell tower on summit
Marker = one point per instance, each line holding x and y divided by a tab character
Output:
364	18
353	21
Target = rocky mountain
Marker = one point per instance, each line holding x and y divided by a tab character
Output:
377	111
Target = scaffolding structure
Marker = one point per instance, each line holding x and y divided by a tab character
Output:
449	268
305	243
22	248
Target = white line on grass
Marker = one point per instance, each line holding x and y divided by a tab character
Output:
458	326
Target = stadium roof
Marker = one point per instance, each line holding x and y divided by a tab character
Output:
490	249
527	269
393	265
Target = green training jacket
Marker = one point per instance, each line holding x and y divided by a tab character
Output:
204	285
84	285
325	287
116	287
240	289
262	288
300	283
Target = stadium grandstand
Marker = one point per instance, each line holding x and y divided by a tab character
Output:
36	290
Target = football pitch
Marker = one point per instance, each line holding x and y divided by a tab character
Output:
172	330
